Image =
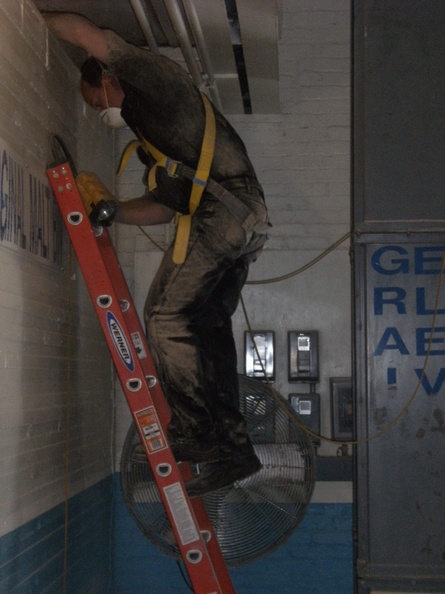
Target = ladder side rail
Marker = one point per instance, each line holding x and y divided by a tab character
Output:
131	375
134	325
213	546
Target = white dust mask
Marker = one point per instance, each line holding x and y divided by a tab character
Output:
112	117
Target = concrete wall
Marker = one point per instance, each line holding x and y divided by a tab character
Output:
302	159
317	558
55	389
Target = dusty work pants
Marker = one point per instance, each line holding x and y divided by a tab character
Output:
188	320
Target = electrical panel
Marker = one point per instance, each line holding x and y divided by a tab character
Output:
341	404
303	356
259	354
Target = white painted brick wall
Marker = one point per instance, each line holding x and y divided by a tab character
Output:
302	157
38	97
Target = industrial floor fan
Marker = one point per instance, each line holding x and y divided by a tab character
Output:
254	516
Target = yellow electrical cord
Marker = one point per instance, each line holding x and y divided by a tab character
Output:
297	422
151	239
405	409
303	268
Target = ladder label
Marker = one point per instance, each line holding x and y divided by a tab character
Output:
138	344
181	513
120	342
147	419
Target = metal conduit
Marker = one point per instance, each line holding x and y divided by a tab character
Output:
175	15
201	47
145	25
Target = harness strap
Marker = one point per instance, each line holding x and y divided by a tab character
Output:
161	160
199	183
199	179
238	209
126	154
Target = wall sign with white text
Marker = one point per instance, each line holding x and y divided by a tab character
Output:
30	219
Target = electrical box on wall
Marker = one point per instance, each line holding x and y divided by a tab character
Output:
307	406
259	357
341	403
303	356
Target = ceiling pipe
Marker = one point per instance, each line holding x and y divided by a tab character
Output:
177	20
174	12
201	47
145	25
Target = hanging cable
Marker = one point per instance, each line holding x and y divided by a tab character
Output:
151	239
303	268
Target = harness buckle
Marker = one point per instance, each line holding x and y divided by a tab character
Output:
171	166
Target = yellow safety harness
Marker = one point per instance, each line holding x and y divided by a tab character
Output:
199	180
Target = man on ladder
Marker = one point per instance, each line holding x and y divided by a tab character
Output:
199	170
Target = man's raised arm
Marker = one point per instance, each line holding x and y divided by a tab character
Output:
79	31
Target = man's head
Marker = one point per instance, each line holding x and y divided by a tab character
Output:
100	90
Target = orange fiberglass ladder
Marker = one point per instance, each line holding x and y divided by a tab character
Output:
123	332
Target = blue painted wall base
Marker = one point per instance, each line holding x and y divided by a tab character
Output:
108	554
32	557
317	559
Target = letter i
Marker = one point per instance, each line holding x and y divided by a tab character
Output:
392	376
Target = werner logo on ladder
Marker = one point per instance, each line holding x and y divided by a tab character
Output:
135	368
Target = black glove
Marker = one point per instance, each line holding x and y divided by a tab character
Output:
103	212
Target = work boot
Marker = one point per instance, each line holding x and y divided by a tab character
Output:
184	450
191	450
223	473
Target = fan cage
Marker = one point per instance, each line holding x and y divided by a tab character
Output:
254	516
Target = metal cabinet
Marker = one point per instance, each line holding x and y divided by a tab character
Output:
399	304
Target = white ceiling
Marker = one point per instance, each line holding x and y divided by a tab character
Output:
204	35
